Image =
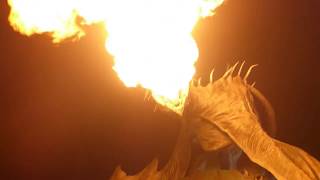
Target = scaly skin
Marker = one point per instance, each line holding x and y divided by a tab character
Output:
228	105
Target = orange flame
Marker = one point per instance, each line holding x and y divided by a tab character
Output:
150	40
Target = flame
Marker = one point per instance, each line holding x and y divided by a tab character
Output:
150	40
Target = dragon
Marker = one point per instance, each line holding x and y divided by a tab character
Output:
223	119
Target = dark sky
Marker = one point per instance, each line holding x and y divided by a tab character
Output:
65	114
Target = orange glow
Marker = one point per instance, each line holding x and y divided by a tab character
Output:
150	40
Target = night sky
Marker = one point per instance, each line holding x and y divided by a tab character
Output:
66	115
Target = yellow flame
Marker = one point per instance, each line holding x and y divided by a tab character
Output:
150	40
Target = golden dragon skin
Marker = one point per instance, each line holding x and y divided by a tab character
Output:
222	114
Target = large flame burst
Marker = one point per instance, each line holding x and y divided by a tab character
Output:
150	40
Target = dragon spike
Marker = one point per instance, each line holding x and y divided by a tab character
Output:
240	69
211	75
146	95
155	108
118	173
249	71
225	75
228	72
234	67
192	83
253	84
149	97
150	169
199	81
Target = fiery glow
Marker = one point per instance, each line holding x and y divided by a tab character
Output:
150	40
